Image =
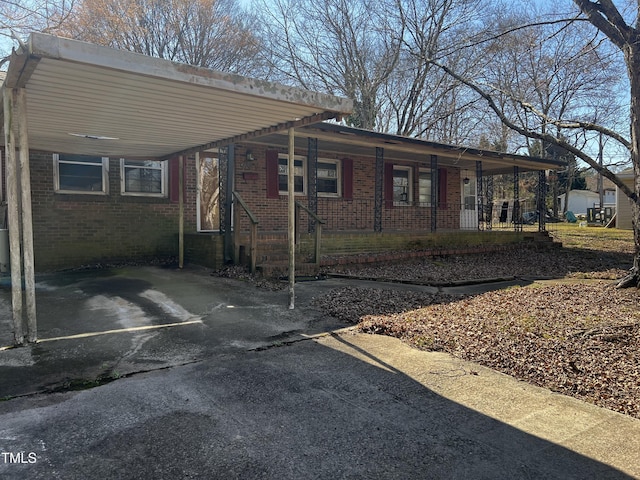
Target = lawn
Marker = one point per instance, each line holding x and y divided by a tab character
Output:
593	238
572	332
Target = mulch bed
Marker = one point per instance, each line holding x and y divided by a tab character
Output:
577	339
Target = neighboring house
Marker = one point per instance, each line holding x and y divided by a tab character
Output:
581	200
623	205
112	132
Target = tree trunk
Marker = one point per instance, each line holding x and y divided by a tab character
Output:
632	54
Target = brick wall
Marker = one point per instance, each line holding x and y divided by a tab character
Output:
75	229
345	243
340	213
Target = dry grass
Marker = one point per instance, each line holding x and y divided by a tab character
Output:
573	236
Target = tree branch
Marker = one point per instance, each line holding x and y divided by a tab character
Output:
541	136
574	124
603	15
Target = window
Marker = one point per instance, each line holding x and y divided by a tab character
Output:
299	178
402	194
143	177
329	184
80	174
424	188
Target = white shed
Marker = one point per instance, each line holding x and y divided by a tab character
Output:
579	201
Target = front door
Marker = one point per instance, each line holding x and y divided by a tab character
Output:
469	202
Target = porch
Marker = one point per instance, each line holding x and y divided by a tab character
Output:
344	232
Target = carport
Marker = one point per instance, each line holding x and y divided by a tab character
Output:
79	98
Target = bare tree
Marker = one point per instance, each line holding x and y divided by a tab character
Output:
419	100
344	47
528	115
19	17
215	34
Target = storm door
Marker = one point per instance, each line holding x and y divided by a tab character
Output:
208	194
468	210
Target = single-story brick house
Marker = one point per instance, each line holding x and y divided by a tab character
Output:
117	157
101	197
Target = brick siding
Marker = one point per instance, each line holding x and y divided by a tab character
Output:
71	230
341	214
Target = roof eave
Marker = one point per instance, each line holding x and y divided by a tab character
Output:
59	48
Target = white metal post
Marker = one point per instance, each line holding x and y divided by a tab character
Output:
291	218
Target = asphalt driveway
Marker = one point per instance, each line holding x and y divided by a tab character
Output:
210	381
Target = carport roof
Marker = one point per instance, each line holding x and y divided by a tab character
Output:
89	99
346	141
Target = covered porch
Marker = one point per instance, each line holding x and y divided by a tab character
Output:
392	193
420	185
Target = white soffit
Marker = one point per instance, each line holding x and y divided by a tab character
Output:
147	106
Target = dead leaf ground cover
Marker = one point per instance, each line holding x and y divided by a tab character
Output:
580	338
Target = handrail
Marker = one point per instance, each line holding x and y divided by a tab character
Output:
251	216
311	214
318	231
253	235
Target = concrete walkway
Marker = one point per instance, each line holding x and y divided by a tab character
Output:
241	401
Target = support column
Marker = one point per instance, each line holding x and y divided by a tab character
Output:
516	214
379	191
181	211
230	156
27	218
13	214
480	195
542	194
312	180
434	193
489	211
291	218
20	214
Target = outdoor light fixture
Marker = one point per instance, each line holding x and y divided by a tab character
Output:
93	137
249	156
466	180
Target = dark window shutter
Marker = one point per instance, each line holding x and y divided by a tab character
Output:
442	188
272	174
174	174
388	185
347	178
